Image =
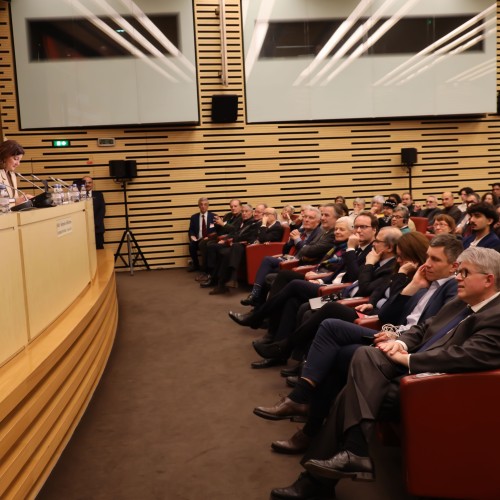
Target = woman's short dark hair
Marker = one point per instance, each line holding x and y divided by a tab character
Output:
10	148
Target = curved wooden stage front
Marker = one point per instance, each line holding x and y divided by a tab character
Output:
46	385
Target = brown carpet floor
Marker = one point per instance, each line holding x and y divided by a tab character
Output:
172	416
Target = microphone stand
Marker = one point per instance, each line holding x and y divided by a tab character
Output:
129	238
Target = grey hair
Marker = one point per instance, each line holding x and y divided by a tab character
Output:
378	199
202	199
359	200
392	235
348	222
316	211
247	205
405	213
486	260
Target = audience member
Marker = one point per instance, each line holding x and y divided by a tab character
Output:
358	206
310	244
376	205
463	336
201	226
463	193
444	224
449	207
413	208
483	217
387	211
286	216
231	220
431	209
495	189
395	197
400	218
490	198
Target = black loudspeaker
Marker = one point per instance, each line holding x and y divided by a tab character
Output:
408	156
123	169
224	108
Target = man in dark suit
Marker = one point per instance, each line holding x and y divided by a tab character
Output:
230	257
99	210
201	226
483	218
463	336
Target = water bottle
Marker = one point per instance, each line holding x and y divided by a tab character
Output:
83	193
74	194
4	200
57	195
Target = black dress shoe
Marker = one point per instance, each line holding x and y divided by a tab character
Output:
298	443
343	465
274	350
282	410
293	371
242	319
266	339
267	363
305	488
251	300
292	381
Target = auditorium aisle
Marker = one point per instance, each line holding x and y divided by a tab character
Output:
172	417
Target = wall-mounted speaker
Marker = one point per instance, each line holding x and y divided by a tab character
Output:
123	169
408	156
224	108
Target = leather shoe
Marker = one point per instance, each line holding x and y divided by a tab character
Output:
202	277
292	381
304	488
294	371
251	300
232	284
343	465
283	409
218	290
241	319
274	350
266	339
267	363
298	443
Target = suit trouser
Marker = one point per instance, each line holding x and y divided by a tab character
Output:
193	253
229	258
268	265
372	376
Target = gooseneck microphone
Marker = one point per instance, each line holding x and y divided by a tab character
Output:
29	182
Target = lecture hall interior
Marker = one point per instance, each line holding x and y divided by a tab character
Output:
120	376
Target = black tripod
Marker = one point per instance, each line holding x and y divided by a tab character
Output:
134	252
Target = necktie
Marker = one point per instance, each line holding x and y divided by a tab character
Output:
203	226
446	328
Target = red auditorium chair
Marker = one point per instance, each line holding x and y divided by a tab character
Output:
256	252
421	224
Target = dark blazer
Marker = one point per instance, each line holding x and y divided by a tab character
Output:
194	224
99	211
352	264
473	345
273	233
491	240
398	307
430	213
372	277
315	249
232	223
454	212
313	236
247	231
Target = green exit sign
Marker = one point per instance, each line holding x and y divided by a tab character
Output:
61	143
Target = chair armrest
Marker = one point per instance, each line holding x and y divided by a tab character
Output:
328	289
353	301
446	421
369	322
289	264
256	252
303	269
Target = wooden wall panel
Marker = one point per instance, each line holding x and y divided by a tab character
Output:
275	163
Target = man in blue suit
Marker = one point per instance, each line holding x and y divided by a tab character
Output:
483	218
201	225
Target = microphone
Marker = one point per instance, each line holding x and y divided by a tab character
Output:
59	181
28	181
43	181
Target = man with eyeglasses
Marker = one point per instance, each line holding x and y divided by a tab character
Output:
483	218
400	219
431	209
463	336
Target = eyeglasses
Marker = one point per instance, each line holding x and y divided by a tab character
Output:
440	224
361	227
464	273
397	217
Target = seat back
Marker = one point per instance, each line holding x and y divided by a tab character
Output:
421	224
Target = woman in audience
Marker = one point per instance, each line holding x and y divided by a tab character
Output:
490	198
286	216
358	205
444	224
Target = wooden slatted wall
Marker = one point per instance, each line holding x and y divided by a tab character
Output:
273	163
